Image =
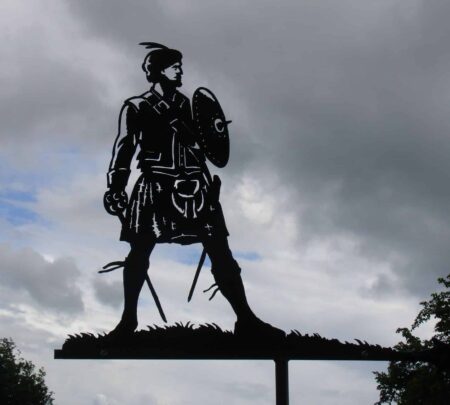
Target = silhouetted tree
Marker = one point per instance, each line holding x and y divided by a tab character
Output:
20	382
415	383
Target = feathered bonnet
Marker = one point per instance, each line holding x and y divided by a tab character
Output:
159	58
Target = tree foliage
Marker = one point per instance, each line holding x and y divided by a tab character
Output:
408	383
20	382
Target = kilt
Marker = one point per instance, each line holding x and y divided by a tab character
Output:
173	209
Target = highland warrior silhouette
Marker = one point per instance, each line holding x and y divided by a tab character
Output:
175	199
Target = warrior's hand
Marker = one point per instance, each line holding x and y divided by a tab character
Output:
115	201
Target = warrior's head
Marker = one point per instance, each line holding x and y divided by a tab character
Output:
162	65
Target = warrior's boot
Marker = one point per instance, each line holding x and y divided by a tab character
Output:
134	272
248	325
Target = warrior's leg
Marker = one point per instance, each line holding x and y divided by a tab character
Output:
227	275
134	272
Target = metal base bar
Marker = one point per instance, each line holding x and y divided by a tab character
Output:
282	381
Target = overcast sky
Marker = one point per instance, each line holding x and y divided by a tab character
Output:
336	194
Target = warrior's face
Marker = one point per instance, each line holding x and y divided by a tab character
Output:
172	74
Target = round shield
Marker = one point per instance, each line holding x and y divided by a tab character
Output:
211	126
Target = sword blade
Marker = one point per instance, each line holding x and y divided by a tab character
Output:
122	219
197	273
155	297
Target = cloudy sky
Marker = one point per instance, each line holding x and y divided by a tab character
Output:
336	194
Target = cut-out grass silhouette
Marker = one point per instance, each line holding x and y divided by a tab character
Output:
185	341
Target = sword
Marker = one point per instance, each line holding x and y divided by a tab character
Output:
197	273
147	279
155	297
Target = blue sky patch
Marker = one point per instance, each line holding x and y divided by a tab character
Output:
13	206
16	214
16	195
190	255
251	256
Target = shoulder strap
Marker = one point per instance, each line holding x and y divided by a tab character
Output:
165	109
134	102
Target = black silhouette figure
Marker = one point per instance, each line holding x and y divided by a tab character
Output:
175	199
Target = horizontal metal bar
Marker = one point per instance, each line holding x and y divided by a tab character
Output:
113	355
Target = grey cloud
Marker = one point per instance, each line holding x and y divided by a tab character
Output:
253	392
27	337
344	102
46	103
56	87
144	399
108	293
346	105
51	285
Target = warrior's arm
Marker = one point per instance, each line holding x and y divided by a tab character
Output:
124	148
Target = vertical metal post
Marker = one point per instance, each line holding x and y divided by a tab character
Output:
282	381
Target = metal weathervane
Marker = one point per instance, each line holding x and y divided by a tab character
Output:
177	200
